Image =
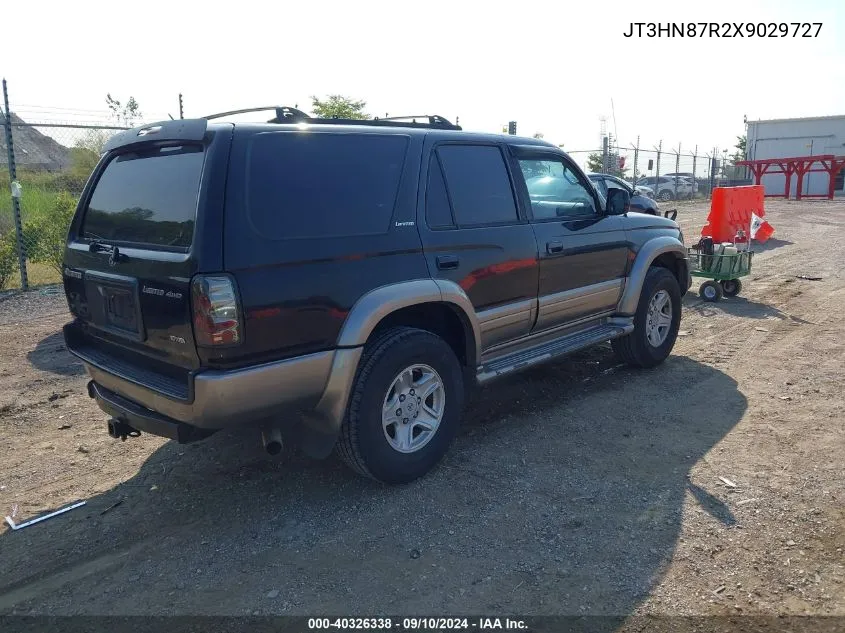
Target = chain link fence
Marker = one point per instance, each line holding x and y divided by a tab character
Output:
671	173
45	161
42	178
43	168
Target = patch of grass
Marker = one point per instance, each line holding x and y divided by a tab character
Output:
36	274
46	216
36	200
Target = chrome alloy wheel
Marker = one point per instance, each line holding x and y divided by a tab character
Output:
659	318
413	408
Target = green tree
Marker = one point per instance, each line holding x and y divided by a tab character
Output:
124	113
84	156
8	258
740	147
46	235
594	164
339	107
729	168
594	160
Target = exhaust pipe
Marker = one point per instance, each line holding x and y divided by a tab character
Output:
272	439
120	430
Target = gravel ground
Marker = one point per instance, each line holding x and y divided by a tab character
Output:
22	307
711	485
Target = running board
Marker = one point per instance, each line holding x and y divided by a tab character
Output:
552	350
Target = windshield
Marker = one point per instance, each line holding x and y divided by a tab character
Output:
147	197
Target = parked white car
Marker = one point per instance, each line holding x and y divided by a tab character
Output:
688	176
646	191
670	187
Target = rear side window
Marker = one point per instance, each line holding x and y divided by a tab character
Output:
148	198
478	184
302	185
438	212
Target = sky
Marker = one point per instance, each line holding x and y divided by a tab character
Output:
554	67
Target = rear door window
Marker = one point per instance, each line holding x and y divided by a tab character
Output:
438	211
309	185
479	185
147	198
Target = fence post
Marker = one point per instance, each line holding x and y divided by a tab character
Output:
636	158
677	167
694	175
712	170
13	176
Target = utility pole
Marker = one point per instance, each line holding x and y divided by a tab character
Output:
604	155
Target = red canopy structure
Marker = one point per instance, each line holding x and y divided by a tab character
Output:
800	166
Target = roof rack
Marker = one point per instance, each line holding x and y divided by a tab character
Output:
433	120
286	114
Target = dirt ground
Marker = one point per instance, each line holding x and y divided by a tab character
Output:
578	488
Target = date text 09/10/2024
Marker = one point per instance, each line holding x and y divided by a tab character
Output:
723	29
418	624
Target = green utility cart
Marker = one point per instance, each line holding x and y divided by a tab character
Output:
723	268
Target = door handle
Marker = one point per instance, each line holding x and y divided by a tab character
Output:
447	262
554	247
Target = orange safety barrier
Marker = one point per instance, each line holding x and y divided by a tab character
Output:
730	211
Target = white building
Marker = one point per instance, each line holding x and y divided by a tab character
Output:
790	138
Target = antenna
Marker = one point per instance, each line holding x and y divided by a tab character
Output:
613	110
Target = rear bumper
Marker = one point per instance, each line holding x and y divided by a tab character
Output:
315	386
143	419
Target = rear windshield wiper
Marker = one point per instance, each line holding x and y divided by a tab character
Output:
102	247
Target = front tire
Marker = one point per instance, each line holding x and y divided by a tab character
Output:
656	322
405	406
666	195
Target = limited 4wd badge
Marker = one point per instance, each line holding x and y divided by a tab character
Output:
160	292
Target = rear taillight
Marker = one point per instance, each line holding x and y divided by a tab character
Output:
217	317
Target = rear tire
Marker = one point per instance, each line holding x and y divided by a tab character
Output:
660	302
666	195
731	287
394	449
710	291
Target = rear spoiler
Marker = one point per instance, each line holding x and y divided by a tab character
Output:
181	130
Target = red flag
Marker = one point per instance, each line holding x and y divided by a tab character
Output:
760	229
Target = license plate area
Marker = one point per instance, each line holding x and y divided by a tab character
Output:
114	304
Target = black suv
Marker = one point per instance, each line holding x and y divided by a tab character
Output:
341	283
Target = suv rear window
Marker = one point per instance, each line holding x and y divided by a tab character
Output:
148	197
302	185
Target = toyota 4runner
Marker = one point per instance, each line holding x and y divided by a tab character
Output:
342	283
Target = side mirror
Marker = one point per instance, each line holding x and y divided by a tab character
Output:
618	201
